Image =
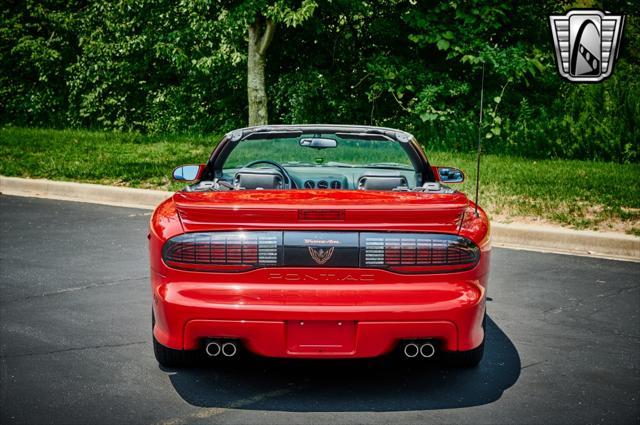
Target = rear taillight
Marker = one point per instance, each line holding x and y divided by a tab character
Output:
397	252
223	251
417	253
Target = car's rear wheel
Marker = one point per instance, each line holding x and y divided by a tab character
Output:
466	359
470	358
168	357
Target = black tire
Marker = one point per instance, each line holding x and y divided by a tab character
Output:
466	359
168	357
471	358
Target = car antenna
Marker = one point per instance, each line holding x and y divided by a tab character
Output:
479	143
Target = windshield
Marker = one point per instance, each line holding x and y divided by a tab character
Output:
348	153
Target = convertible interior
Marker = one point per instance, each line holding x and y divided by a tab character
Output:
315	161
319	178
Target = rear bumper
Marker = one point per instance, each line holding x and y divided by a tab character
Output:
292	319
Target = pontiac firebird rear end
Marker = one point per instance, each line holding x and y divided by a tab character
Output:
319	273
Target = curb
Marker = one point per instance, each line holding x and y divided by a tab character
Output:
566	241
83	192
518	236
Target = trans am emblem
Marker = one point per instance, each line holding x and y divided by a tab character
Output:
586	43
321	255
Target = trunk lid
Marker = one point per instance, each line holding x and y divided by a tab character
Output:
321	209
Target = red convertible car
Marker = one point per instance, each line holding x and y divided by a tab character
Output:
319	241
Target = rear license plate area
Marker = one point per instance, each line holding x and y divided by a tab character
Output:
321	336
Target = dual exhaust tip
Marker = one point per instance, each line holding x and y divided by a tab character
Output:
425	350
230	349
217	348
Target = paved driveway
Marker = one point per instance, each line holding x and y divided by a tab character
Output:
563	342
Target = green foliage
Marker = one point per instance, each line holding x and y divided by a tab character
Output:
160	66
153	66
281	11
37	41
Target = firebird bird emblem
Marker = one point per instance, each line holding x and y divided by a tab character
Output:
321	255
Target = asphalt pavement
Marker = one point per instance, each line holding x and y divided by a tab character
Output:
563	342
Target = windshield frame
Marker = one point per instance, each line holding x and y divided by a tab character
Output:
229	142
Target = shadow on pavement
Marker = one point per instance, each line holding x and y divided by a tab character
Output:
355	385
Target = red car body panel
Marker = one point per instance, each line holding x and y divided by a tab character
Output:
318	312
361	210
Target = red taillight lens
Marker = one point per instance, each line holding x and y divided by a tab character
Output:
397	252
223	251
418	253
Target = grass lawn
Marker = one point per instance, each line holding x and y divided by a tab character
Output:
579	194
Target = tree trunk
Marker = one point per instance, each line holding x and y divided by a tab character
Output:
260	36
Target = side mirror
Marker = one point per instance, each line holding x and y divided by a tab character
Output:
450	175
188	173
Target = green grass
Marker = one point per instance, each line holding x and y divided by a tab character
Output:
121	159
579	194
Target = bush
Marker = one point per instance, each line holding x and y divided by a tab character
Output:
159	67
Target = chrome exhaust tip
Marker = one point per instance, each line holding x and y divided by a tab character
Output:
411	350
213	349
427	350
229	349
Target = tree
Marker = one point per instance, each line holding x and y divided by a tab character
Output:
166	66
261	33
37	41
261	29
